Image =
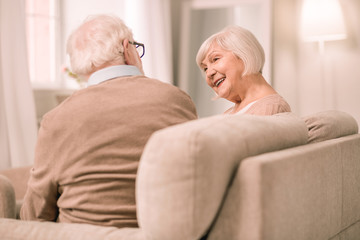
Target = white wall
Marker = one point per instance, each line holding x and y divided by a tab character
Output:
309	81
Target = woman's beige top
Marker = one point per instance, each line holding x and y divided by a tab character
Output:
268	105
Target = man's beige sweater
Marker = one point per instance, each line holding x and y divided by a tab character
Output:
89	148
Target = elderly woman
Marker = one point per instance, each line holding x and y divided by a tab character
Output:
232	61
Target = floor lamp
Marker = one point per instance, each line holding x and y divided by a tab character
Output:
321	21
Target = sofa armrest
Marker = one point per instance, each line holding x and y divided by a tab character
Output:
305	192
18	177
7	198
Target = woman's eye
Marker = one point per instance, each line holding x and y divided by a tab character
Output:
215	59
205	69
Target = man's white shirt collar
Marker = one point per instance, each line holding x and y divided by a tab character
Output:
112	72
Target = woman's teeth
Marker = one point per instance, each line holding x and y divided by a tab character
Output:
218	82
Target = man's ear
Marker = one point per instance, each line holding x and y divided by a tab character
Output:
131	56
128	56
126	50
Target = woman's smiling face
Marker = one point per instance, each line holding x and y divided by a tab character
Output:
223	72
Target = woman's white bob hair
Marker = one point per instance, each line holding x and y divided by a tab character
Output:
241	42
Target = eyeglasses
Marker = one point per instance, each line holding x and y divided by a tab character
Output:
140	47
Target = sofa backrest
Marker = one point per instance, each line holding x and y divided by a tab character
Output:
185	170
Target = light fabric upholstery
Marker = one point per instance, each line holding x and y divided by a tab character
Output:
18	178
7	199
26	230
289	195
351	184
282	191
184	170
330	124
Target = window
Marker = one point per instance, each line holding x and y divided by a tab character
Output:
49	24
43	27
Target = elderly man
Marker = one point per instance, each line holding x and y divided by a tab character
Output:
89	147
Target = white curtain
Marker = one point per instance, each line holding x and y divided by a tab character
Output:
151	25
18	128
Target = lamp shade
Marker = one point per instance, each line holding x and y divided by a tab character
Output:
322	20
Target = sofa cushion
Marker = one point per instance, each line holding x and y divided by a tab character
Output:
185	170
329	124
11	229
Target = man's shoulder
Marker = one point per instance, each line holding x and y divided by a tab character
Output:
165	96
153	85
152	81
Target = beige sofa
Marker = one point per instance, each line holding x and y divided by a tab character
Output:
230	177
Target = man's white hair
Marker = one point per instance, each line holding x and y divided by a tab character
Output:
97	41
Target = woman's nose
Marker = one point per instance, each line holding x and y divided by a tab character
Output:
210	72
